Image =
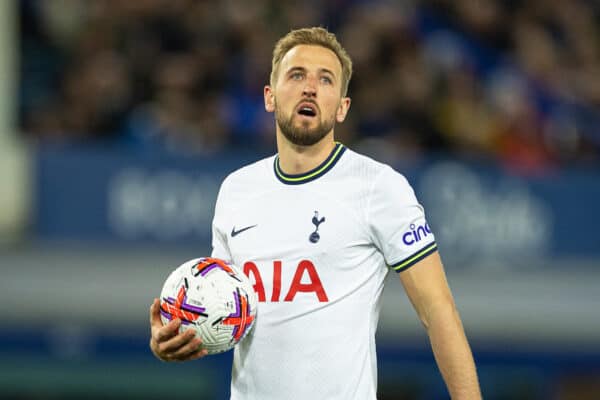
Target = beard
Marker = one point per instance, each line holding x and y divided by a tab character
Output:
302	135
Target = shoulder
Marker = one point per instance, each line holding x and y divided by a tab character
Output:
382	185
375	172
247	178
255	171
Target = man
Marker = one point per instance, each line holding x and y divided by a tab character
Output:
316	228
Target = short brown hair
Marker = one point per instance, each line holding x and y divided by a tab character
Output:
312	36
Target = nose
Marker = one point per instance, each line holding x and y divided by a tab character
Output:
310	88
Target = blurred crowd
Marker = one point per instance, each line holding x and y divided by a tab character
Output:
510	80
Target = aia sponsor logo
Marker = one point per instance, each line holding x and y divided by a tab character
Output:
306	281
416	234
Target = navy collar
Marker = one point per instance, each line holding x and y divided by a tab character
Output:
314	173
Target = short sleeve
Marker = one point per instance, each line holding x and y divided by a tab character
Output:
220	248
397	222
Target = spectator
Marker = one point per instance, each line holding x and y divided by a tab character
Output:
156	74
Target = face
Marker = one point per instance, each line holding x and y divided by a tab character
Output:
306	97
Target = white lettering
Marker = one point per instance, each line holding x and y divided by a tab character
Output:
165	205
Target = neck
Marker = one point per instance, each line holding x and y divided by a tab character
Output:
294	159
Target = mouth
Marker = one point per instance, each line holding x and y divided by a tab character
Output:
307	109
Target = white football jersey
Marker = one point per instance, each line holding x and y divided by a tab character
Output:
317	248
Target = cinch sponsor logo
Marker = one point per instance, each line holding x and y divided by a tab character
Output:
416	233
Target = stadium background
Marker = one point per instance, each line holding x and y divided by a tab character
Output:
119	119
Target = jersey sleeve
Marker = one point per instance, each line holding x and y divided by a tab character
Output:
220	248
397	222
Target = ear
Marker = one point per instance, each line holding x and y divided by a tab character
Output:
269	96
342	110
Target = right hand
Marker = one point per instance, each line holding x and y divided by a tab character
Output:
167	344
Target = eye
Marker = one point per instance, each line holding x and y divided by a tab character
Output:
326	80
296	76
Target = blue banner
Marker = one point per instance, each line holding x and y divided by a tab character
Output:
107	195
478	212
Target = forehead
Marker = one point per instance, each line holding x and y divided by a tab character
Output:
311	57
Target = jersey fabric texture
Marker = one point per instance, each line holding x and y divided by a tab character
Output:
317	248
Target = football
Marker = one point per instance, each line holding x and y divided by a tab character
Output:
212	297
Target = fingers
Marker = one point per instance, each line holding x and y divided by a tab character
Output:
165	332
155	313
182	347
191	348
173	344
167	343
162	332
170	345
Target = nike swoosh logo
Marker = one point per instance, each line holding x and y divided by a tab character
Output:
235	233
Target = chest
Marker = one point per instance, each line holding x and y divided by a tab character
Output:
291	224
298	244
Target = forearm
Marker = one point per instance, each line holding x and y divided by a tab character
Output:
452	352
428	290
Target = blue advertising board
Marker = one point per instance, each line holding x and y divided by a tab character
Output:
478	212
109	195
